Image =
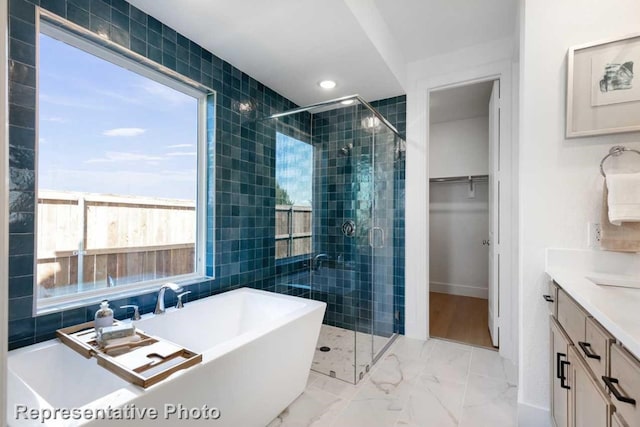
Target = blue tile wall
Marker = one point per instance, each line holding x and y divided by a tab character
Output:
343	190
240	203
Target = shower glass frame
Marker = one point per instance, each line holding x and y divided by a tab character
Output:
377	144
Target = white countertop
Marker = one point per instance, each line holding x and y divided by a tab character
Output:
616	308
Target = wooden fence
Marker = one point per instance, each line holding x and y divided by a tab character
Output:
293	230
93	236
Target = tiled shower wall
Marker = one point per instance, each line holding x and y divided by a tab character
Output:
364	289
243	200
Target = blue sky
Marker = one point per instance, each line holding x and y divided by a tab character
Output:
294	168
105	129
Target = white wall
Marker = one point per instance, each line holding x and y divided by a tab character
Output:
560	185
458	261
459	147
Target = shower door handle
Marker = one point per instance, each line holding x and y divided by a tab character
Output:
372	239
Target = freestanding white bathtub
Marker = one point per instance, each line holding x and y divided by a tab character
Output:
257	350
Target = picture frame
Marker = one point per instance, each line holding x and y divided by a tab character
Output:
603	87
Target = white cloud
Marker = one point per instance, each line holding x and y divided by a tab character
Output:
119	156
181	153
41	140
124	132
180	146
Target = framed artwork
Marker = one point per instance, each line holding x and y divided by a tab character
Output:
603	87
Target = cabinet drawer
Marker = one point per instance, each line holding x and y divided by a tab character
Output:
552	298
571	317
595	347
625	385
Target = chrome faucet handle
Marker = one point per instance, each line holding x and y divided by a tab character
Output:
136	312
180	304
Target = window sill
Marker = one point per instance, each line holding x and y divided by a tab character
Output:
70	302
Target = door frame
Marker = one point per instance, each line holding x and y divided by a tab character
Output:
417	283
4	215
494	218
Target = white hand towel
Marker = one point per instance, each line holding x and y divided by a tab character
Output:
624	197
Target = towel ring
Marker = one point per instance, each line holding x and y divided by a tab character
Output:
615	151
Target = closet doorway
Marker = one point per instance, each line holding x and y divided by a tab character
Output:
464	188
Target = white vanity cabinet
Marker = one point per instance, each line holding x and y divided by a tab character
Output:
595	381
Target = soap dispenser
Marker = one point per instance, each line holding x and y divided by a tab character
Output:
104	316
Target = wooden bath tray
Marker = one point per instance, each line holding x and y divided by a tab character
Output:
143	363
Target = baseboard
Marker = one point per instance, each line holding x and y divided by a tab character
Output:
533	416
462	290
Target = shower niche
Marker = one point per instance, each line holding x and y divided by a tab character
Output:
339	169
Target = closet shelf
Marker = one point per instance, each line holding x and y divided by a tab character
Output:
467	178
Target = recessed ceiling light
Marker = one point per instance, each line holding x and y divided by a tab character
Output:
327	84
347	102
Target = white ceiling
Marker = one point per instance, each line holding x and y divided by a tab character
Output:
424	28
290	45
459	103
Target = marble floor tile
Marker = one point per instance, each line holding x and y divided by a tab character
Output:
313	376
433	401
488	363
413	349
489	402
393	369
312	408
449	361
432	383
340	388
371	407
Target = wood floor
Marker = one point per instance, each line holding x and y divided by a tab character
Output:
459	318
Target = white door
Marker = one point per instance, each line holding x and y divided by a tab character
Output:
494	200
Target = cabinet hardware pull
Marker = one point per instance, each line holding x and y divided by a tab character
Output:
547	298
610	383
558	371
559	364
563	376
586	349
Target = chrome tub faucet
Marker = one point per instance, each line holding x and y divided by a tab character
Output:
317	260
160	303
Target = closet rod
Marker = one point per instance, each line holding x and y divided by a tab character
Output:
476	178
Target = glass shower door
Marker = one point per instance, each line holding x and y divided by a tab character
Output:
375	213
363	199
382	237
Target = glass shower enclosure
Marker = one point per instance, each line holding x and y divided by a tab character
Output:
336	211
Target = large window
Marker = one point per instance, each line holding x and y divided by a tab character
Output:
119	199
294	188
